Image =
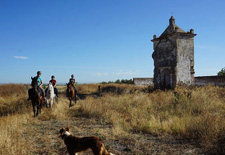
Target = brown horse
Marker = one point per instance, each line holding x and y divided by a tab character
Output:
71	93
36	97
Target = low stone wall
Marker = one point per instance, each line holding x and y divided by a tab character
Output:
199	81
210	80
143	81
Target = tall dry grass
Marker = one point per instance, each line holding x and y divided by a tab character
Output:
12	140
14	124
199	117
13	98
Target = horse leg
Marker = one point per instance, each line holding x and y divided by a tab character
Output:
34	110
37	110
51	102
40	106
70	104
75	97
47	105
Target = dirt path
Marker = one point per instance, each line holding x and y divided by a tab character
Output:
43	131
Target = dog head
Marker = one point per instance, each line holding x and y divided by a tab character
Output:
64	132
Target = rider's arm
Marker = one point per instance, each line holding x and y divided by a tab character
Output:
41	83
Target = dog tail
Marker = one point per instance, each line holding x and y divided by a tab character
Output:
103	150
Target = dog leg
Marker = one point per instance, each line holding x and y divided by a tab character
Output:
71	152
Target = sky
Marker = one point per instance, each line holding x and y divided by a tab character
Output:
102	40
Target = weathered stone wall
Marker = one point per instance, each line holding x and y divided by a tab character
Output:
185	60
210	80
173	57
199	81
164	56
143	81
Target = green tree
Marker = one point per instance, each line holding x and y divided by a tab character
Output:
222	72
117	81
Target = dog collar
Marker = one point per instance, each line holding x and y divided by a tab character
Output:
66	134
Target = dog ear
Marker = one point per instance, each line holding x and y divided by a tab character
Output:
62	130
68	129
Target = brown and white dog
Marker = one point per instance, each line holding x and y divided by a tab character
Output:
76	144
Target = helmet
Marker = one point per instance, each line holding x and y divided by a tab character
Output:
53	76
72	75
39	72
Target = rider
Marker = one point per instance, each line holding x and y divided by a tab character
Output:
73	81
53	81
40	83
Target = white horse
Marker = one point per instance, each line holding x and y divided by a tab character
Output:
50	94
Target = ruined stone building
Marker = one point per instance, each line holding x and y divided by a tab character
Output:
173	57
174	61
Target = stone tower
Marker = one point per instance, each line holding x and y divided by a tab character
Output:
173	57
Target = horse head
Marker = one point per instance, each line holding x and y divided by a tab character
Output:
50	86
34	82
69	87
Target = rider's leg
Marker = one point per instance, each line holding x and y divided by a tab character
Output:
46	91
56	92
42	92
74	88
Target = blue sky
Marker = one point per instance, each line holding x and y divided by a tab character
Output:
102	40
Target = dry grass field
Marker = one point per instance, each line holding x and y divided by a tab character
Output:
130	120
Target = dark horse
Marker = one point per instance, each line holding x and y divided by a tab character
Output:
36	97
71	93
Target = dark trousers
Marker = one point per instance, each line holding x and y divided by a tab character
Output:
56	91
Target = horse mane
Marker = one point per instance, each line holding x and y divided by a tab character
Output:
34	82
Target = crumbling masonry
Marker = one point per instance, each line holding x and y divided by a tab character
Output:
173	57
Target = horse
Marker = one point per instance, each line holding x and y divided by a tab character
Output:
36	97
71	93
50	95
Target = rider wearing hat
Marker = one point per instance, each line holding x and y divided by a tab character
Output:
53	81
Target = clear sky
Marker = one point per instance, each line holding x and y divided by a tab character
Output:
102	40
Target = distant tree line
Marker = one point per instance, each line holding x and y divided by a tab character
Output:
123	81
222	72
